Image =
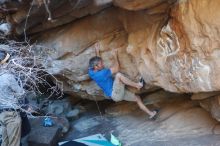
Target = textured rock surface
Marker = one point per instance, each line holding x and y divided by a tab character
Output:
161	53
213	106
201	96
77	42
177	54
140	4
180	123
59	107
189	44
174	45
33	16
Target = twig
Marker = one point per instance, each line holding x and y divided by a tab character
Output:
48	11
25	25
28	70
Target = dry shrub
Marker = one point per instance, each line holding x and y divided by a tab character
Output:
27	67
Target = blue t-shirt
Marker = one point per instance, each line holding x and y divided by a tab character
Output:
103	79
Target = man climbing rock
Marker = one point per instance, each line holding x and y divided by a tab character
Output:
10	119
115	88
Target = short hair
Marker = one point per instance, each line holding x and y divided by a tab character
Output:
94	61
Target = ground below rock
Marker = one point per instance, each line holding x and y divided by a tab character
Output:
181	122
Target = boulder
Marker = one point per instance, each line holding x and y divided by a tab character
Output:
173	45
201	96
154	46
140	4
212	105
43	136
215	107
73	114
121	108
161	96
5	28
59	107
217	129
37	15
61	122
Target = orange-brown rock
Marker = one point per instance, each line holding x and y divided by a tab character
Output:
188	47
35	16
176	53
174	45
135	5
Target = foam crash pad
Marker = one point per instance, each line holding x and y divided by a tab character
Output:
93	140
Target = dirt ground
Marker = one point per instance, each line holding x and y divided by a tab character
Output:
181	122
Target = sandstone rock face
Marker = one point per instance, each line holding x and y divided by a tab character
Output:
140	4
180	56
71	62
174	45
213	106
177	54
73	46
35	16
189	44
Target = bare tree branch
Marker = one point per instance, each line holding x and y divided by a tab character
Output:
27	67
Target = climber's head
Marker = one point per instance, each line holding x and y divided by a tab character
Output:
96	63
